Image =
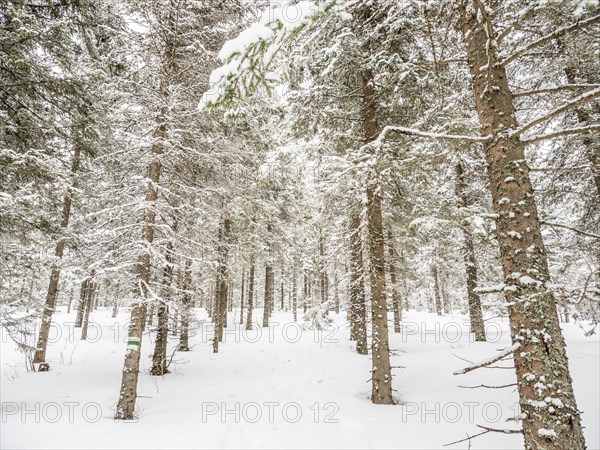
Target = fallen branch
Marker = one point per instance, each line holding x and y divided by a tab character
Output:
489	361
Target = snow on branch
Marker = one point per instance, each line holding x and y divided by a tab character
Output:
549	37
550	90
565	132
248	57
576	102
489	361
574	230
424	134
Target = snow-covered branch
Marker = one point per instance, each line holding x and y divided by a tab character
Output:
424	134
549	37
576	102
550	90
575	230
565	132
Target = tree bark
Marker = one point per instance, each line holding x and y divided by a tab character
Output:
159	358
436	289
395	291
51	296
186	305
242	297
381	378
541	356
250	295
475	311
222	282
358	308
91	289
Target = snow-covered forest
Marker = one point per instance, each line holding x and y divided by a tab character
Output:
300	224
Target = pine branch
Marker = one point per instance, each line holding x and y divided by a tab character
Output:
549	37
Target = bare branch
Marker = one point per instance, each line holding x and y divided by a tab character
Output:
549	37
575	230
522	17
496	430
565	132
489	361
576	102
559	169
548	90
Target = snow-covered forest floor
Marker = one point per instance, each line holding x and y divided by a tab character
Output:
277	388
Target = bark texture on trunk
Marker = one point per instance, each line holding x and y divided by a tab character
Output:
91	290
220	311
436	289
159	358
475	311
186	306
250	295
397	309
551	419
242	297
59	250
381	378
358	307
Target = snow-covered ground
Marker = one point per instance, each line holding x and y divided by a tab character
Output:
277	388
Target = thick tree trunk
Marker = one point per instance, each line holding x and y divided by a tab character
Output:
475	311
381	378
186	306
250	295
358	307
50	305
551	419
397	309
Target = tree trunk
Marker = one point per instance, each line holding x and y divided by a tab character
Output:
395	291
91	289
294	294
541	356
81	304
159	358
436	289
131	365
268	294
358	308
222	281
186	306
250	295
381	378
242	297
115	309
475	311
50	305
71	296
